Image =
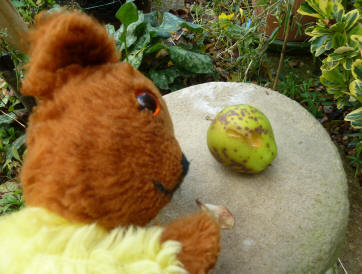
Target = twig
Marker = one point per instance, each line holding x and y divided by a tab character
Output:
20	123
286	34
247	70
340	262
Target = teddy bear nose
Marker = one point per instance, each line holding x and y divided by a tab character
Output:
185	165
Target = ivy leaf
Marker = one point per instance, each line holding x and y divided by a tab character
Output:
190	61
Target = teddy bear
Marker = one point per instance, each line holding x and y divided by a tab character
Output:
101	162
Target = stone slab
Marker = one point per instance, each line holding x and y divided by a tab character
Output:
291	218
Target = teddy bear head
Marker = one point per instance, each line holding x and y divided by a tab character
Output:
100	142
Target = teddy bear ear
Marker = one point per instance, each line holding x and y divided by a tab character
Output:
60	40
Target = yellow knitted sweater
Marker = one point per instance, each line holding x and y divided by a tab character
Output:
34	241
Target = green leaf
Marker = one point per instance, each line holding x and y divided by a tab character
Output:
151	18
347	63
337	27
357	69
12	151
325	47
163	78
127	14
155	48
18	4
318	31
356	30
339	40
335	9
306	9
343	49
110	30
358	40
170	24
19	142
7	119
191	61
358	5
355	117
334	79
350	19
15	153
136	52
356	89
134	30
318	42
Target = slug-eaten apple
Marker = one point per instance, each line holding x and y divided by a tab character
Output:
241	137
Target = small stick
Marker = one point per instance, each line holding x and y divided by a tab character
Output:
284	46
20	123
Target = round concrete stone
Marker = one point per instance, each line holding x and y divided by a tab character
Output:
291	218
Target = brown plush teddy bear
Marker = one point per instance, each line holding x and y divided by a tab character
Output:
101	162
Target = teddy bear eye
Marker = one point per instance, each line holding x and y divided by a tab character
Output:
147	100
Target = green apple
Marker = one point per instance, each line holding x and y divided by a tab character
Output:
241	137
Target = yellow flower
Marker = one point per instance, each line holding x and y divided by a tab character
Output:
224	16
242	17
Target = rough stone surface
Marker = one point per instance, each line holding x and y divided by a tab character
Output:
291	218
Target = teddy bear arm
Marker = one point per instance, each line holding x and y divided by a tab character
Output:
199	235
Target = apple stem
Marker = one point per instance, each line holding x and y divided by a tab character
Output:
208	118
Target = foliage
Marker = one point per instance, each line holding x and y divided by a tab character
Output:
29	8
338	34
11	201
356	159
303	91
151	47
234	35
12	137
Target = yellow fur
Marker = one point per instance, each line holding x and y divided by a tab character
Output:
35	241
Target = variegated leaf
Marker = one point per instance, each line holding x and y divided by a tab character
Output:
334	79
306	9
355	117
356	89
343	49
357	39
318	31
357	69
350	19
339	40
317	42
335	10
337	27
347	63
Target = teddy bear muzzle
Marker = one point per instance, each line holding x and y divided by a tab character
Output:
185	168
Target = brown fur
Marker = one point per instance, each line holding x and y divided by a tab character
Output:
200	236
93	156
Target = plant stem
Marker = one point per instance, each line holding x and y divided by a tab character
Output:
286	34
